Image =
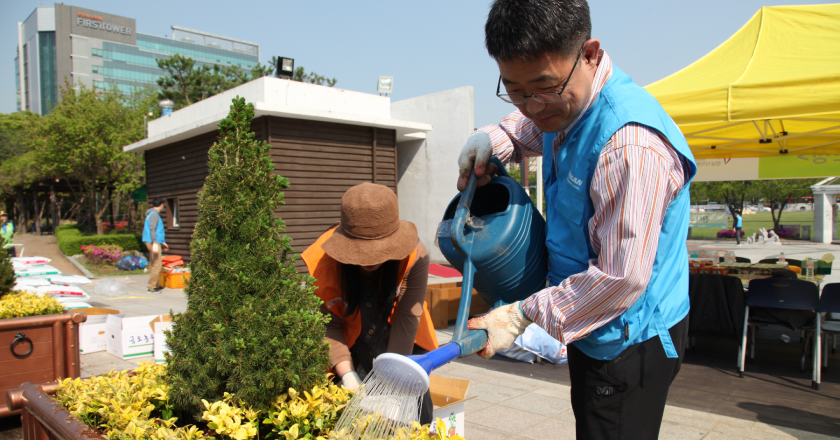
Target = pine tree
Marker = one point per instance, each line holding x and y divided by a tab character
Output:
252	325
7	273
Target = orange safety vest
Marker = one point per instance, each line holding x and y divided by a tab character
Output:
325	270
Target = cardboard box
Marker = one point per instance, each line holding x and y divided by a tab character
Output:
448	397
130	338
93	336
159	324
444	299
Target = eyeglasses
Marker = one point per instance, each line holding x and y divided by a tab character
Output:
545	98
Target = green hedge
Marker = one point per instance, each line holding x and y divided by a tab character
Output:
70	240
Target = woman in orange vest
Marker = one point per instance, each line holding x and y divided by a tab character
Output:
371	272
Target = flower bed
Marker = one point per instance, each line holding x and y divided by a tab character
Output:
108	254
784	233
727	233
137	406
71	238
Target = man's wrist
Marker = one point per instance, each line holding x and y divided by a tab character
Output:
522	311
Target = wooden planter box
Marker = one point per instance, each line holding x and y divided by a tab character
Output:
43	418
443	300
54	351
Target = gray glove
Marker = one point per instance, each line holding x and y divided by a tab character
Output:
474	156
351	381
503	325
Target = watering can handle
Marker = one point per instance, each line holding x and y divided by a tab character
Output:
468	342
462	211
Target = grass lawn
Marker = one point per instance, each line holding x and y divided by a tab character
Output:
107	271
753	222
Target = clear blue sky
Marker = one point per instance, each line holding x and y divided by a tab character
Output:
427	46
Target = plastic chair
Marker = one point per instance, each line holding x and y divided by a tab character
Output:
827	325
778	293
19	254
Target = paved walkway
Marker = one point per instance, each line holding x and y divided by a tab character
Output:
501	405
510	406
45	246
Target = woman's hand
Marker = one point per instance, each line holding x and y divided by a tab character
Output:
351	381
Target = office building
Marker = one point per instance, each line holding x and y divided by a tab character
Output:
81	46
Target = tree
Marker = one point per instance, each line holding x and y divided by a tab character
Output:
312	78
18	165
189	83
734	193
82	141
7	274
186	83
12	133
780	192
252	325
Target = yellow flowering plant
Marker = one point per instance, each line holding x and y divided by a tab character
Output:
138	407
308	415
21	303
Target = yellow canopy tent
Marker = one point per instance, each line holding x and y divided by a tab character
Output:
771	89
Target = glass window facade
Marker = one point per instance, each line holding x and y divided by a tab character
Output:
47	71
216	51
17	81
129	67
26	76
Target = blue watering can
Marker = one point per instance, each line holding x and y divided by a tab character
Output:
495	237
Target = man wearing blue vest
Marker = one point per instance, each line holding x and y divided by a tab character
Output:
154	236
617	173
737	227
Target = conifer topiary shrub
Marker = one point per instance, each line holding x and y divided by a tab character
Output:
7	273
252	325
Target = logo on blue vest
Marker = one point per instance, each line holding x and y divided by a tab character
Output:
574	181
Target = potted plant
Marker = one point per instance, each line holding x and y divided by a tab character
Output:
38	342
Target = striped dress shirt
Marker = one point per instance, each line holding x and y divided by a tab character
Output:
637	176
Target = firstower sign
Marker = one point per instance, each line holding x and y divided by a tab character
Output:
96	22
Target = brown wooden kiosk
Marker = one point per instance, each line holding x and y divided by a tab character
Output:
323	140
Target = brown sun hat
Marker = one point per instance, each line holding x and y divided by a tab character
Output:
370	231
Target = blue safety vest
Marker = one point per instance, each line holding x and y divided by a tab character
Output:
567	182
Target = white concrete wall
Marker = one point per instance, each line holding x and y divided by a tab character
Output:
278	92
428	169
823	217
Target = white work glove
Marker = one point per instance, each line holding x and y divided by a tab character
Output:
503	325
474	156
156	248
351	381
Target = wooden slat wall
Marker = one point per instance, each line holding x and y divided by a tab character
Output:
320	159
178	171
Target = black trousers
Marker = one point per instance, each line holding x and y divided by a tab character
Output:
738	235
624	398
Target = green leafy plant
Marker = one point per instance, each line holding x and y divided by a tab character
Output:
7	273
252	327
21	304
70	240
139	407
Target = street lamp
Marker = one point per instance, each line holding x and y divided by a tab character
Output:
385	86
145	126
285	68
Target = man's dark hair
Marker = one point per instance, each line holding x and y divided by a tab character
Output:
157	201
527	29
